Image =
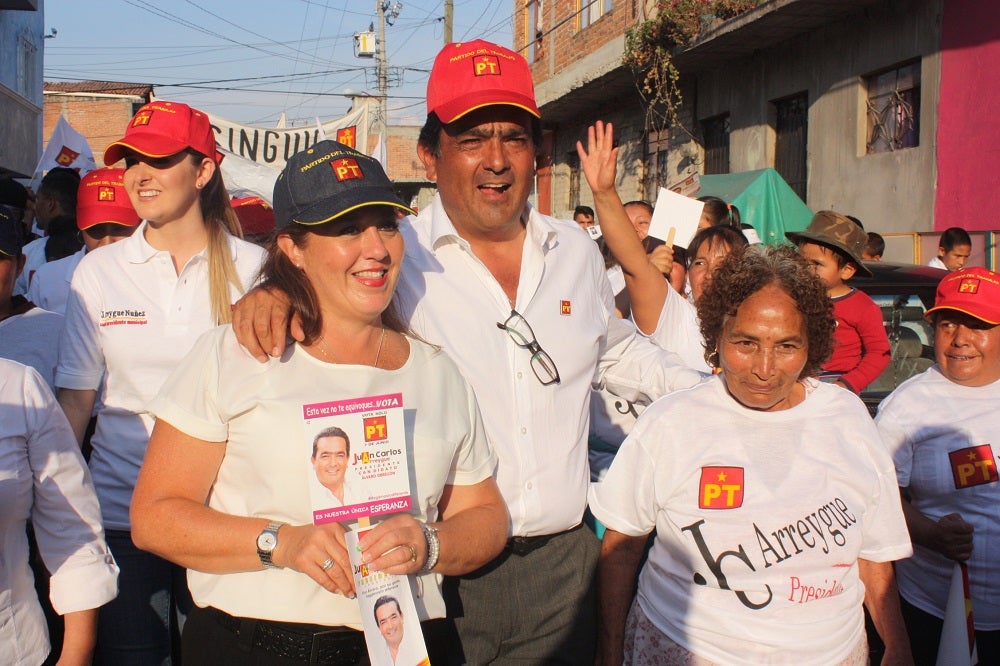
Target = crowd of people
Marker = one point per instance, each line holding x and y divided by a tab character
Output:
695	404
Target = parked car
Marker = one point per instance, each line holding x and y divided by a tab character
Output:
904	292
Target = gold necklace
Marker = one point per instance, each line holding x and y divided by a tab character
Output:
378	352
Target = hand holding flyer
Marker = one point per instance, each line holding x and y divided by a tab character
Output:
388	615
675	218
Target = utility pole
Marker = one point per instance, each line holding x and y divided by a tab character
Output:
381	67
449	17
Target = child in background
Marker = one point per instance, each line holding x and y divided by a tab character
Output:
832	245
874	248
954	249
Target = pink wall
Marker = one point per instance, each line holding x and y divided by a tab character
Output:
968	133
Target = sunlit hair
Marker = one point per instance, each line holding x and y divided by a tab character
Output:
745	272
279	272
220	221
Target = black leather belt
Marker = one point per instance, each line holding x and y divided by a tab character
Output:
308	643
524	545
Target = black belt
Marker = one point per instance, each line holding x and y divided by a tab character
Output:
524	545
308	643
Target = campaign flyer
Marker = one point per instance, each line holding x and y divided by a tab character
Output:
356	455
388	615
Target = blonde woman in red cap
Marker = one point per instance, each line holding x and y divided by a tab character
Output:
943	429
134	310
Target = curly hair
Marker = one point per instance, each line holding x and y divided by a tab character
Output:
744	273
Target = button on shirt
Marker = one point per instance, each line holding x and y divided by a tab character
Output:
132	316
538	432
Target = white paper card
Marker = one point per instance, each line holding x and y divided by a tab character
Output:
675	218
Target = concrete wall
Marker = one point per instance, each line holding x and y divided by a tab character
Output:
20	138
887	191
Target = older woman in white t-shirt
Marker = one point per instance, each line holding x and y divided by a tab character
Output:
771	496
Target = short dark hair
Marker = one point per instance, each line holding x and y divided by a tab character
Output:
430	133
744	273
61	184
641	203
841	257
332	431
727	235
875	245
382	601
954	236
583	210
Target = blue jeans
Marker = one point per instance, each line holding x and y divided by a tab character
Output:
141	627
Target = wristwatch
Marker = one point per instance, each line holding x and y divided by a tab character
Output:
267	541
433	547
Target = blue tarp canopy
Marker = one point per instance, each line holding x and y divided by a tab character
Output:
765	200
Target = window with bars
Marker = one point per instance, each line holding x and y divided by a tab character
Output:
715	133
791	134
591	10
894	109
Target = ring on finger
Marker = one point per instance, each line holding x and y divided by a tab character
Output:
413	552
327	564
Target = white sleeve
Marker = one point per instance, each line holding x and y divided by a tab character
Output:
81	358
895	435
65	513
886	536
188	399
625	500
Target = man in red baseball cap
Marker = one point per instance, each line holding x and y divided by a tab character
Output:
481	263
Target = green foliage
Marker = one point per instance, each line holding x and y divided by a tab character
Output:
649	46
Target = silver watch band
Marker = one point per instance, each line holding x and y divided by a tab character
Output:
433	547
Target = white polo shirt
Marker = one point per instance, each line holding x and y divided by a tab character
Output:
49	286
132	316
34	257
538	432
32	338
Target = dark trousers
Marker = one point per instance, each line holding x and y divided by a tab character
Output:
213	639
925	635
537	607
141	626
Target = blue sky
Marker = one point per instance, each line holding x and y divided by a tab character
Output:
247	60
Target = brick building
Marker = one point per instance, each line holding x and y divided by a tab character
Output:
99	110
810	87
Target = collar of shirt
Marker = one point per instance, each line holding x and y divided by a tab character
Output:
441	230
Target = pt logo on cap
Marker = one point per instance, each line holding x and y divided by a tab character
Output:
346	168
486	65
346	136
142	118
968	286
105	193
721	488
66	156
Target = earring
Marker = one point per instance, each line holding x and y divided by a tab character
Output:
199	185
713	359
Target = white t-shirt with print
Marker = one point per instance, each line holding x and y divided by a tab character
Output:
760	519
944	439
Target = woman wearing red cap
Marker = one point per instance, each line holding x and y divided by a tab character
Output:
134	310
943	429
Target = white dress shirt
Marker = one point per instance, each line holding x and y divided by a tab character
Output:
539	432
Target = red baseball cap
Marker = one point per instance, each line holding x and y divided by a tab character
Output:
469	75
974	291
102	198
161	129
256	215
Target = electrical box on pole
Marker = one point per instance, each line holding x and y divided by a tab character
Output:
365	44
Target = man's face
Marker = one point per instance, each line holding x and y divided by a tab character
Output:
330	461
10	268
390	623
585	221
956	257
484	171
